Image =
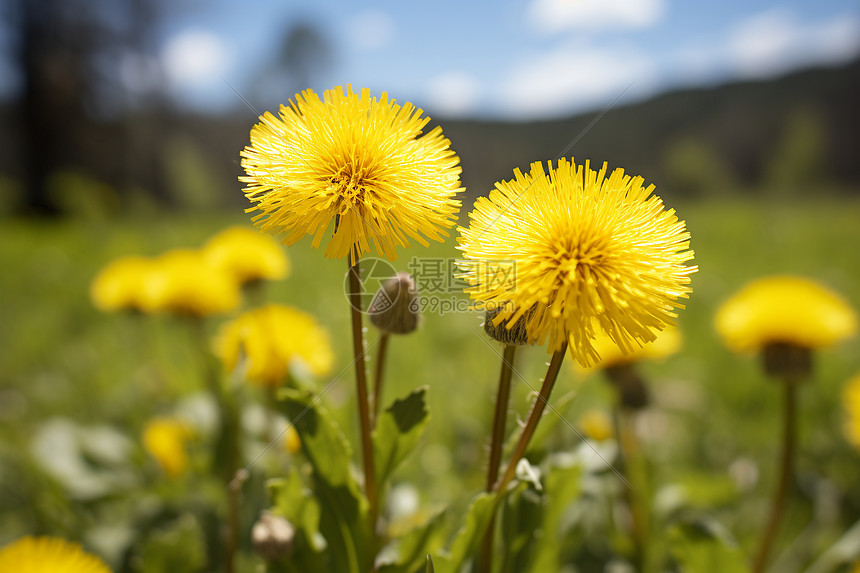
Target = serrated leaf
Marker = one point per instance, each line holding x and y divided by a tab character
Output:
343	508
323	442
703	546
397	432
414	547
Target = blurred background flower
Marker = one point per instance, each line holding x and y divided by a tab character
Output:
247	255
42	554
785	309
274	342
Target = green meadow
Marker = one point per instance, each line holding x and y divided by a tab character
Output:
711	434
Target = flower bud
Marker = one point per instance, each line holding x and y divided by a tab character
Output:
272	536
516	335
395	308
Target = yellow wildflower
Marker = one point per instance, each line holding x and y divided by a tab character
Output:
183	283
667	343
166	439
784	309
48	555
272	338
595	424
851	402
292	442
118	285
246	254
359	161
577	252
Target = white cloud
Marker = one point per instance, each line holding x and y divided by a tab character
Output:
553	16
453	93
194	58
774	42
371	30
573	78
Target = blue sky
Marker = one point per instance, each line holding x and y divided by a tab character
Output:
506	59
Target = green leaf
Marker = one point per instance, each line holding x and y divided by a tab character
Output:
414	547
397	432
522	516
562	486
179	547
702	545
296	504
343	508
469	537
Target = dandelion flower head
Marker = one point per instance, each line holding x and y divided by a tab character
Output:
358	164
851	404
246	254
596	425
183	283
784	309
48	555
273	339
118	285
166	439
667	342
578	252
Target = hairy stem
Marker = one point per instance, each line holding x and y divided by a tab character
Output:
497	440
534	417
361	395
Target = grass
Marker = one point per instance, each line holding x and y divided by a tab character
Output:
713	413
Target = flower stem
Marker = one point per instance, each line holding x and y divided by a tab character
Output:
534	417
379	374
633	468
785	475
497	439
361	395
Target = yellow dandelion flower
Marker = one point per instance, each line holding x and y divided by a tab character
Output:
48	555
784	309
183	283
273	338
595	424
667	343
166	439
246	254
117	285
360	161
292	442
577	252
851	403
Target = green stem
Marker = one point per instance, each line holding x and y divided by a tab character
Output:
379	374
497	440
785	476
534	417
361	397
228	442
632	465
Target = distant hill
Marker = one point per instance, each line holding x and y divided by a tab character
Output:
741	125
799	130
